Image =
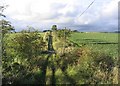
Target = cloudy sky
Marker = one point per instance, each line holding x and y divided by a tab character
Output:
42	14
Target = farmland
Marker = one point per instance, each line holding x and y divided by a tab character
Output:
103	42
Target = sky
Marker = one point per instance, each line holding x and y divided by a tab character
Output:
42	14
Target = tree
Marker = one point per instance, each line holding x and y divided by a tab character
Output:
6	26
54	27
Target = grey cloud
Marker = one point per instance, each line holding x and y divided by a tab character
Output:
103	23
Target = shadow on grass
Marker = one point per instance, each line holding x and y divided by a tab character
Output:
71	80
68	78
53	79
44	69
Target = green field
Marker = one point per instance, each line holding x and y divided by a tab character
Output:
102	42
95	37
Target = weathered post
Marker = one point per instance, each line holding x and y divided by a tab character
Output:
50	46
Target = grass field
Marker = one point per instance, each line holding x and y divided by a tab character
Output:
95	37
102	42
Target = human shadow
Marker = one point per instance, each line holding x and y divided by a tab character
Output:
44	70
53	79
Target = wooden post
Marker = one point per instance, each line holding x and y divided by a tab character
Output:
50	46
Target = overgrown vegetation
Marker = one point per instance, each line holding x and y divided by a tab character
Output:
59	56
